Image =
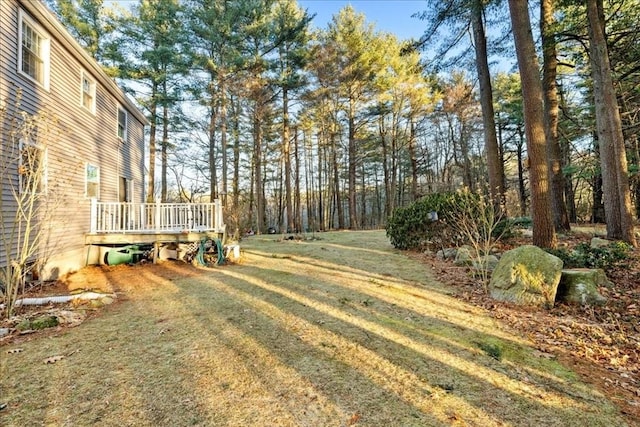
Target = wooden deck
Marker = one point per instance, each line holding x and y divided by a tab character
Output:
142	223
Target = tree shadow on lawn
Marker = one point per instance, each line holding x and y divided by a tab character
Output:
438	371
115	370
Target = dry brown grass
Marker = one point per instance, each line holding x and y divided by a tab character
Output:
332	332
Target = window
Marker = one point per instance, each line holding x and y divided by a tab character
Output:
88	93
92	181
32	170
33	56
122	124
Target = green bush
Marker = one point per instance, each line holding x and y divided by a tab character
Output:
412	227
584	256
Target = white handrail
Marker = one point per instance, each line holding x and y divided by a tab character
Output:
125	217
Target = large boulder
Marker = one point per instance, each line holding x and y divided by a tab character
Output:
580	286
526	275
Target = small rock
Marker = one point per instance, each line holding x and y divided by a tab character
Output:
464	256
107	300
70	318
597	243
448	253
4	332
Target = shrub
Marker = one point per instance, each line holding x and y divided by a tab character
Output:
508	227
413	226
584	256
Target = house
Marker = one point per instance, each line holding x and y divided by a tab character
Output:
92	169
98	150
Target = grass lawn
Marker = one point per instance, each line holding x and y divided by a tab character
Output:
336	331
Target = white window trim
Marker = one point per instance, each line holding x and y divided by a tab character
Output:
86	181
45	49
126	124
45	166
92	84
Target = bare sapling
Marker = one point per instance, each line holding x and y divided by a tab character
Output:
28	202
476	219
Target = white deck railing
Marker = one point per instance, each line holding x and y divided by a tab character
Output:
116	217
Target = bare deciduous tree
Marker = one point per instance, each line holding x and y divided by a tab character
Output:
29	200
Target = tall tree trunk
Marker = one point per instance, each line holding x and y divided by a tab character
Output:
257	159
388	192
494	163
286	154
413	158
551	109
164	151
543	231
353	216
336	181
213	171
395	194
310	199
613	158
151	179
598	215
321	217
363	198
223	137
213	117
297	207
235	184
522	191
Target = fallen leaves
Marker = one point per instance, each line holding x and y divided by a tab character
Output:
354	419
603	343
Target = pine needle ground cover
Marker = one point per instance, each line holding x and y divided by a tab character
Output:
329	331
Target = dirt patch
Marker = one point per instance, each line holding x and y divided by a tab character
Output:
67	314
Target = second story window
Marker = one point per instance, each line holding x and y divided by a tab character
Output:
33	60
122	124
88	93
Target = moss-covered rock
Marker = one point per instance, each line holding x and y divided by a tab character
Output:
38	322
597	243
24	325
464	256
527	276
44	322
580	286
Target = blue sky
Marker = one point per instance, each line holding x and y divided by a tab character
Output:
393	16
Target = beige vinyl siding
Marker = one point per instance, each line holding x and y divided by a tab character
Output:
85	138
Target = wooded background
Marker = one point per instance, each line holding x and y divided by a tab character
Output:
302	129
